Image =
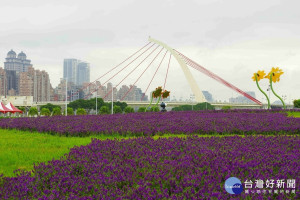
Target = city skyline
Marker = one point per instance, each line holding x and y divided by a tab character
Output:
232	39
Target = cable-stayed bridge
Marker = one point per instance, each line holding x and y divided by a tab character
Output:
154	48
148	55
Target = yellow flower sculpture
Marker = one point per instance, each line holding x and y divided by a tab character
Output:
260	75
165	94
157	92
276	74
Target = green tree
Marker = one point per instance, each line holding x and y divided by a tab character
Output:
79	103
178	108
117	109
81	111
56	111
123	105
296	103
49	106
141	109
70	111
104	110
33	111
203	106
199	106
45	112
129	109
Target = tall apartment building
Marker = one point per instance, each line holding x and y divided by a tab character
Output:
83	73
19	78
35	83
3	84
76	71
18	64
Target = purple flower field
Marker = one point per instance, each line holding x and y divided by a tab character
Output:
173	168
149	124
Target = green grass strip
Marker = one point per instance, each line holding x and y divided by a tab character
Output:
21	149
293	114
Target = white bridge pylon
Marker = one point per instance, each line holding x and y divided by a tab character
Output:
199	97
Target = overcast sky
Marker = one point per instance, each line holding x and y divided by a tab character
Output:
232	38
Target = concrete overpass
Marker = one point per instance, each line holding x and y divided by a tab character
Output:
170	104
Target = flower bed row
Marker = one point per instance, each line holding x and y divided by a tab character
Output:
149	124
174	168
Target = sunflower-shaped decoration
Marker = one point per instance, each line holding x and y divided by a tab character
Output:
276	73
165	94
157	92
257	77
260	75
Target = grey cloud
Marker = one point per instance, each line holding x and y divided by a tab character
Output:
60	38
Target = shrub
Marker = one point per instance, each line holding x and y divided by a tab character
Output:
104	110
33	111
154	109
70	111
129	109
56	111
49	106
45	111
81	111
226	107
141	109
297	103
117	109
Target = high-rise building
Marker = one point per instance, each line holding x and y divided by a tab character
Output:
35	83
83	73
13	66
70	70
208	96
3	82
76	71
18	64
12	82
19	78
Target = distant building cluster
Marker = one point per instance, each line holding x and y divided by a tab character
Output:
77	75
242	99
90	90
19	78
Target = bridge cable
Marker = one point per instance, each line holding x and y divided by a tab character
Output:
119	71
110	70
141	74
130	72
216	77
154	75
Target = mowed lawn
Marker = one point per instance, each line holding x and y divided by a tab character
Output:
21	149
294	114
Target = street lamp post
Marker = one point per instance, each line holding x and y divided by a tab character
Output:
96	100
112	100
66	97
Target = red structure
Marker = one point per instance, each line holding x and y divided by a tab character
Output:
12	108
